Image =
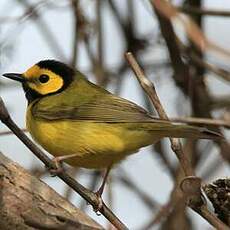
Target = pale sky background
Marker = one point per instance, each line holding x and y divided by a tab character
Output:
29	47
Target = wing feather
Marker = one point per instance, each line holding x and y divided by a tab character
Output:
110	108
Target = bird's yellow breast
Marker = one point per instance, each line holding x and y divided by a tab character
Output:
97	145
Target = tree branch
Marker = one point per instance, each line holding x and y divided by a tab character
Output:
28	203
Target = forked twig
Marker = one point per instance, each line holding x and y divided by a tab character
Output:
149	88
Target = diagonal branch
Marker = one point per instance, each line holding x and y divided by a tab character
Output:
151	92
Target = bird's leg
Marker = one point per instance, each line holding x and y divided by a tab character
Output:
101	189
58	163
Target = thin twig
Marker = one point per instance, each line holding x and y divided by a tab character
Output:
149	88
146	199
76	34
220	72
88	195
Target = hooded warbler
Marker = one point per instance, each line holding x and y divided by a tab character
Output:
84	124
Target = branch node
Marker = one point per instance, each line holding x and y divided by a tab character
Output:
191	185
145	81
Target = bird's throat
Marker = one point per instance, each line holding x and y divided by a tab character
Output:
30	94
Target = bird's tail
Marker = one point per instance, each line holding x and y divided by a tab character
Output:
183	131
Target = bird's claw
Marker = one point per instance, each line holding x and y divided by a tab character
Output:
54	171
98	207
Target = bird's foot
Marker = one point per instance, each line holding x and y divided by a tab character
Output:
58	164
54	171
98	207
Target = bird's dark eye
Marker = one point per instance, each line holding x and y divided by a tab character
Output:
44	78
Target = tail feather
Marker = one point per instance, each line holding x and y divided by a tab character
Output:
210	134
183	131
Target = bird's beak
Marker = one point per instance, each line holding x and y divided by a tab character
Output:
15	76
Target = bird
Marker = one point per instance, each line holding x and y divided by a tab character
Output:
84	125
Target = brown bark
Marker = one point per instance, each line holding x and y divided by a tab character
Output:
27	203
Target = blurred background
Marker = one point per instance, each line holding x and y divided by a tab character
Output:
190	70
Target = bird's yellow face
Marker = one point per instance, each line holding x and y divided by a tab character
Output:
42	80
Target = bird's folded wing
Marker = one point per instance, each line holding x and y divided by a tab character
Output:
111	109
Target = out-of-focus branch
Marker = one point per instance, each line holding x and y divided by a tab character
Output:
98	67
77	27
219	72
167	10
131	41
209	172
45	31
5	133
181	72
198	93
175	203
221	102
100	71
127	182
202	121
203	11
43	4
162	154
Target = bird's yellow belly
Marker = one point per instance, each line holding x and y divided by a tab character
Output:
96	145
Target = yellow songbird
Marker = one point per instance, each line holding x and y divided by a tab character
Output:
84	125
